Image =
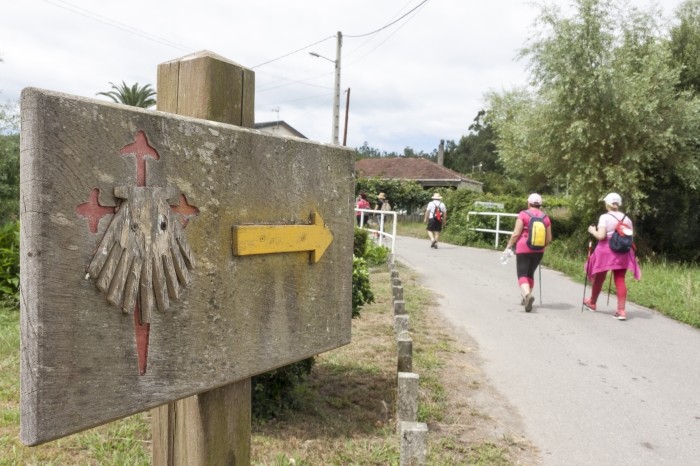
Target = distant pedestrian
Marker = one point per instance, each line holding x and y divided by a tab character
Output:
527	257
604	259
362	203
435	216
382	203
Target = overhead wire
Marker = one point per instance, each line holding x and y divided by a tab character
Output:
115	24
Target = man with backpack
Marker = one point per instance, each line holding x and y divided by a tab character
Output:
531	235
614	251
435	217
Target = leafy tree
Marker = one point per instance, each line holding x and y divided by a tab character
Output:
136	96
475	152
604	113
685	45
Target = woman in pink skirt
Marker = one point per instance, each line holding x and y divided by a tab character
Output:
604	258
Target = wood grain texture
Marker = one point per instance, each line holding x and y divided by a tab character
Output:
239	317
212	427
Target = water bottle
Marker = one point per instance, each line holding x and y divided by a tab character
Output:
505	257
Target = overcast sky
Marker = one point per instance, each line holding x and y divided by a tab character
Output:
413	83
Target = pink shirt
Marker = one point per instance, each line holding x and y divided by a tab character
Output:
521	246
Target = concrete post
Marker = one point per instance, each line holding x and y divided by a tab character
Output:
400	324
399	307
407	399
405	346
397	292
414	443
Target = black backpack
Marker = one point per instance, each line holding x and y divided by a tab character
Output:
621	241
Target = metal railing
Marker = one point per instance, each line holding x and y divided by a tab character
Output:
498	230
378	231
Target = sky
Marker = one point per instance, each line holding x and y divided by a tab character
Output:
417	70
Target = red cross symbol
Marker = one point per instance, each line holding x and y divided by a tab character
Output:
93	210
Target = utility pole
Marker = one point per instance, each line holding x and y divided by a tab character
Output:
347	109
336	98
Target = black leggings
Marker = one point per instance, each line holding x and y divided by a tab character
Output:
526	264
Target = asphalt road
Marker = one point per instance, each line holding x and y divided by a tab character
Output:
591	390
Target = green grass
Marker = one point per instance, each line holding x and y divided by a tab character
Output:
672	289
118	443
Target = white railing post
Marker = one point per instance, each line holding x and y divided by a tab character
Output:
498	230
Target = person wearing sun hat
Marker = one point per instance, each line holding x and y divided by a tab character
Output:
431	218
604	259
527	259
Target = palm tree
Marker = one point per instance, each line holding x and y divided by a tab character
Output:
136	96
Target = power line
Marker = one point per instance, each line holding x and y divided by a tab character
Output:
292	53
390	24
115	24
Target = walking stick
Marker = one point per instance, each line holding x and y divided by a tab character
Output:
588	266
540	269
609	287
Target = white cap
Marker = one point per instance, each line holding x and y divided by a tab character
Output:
534	199
613	198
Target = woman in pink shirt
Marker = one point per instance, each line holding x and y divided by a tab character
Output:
604	258
528	259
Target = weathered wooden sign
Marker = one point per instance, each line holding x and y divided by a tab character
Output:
164	256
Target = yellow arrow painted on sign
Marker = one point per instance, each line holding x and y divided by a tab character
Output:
271	239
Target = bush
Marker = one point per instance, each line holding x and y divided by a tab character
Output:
9	263
276	391
361	290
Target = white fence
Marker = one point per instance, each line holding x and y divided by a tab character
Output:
376	221
498	230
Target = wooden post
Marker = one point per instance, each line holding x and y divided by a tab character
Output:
213	427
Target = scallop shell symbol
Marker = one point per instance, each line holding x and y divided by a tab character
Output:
144	253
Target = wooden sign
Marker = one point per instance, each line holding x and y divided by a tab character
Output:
164	256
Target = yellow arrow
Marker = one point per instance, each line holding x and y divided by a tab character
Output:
270	239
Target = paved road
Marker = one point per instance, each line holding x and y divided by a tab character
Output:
590	389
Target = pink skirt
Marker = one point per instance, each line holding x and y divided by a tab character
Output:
604	259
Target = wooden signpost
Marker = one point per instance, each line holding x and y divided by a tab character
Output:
165	256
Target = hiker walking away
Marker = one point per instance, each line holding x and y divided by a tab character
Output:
384	206
435	217
604	258
531	235
362	203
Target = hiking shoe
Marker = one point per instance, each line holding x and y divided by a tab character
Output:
589	305
433	244
620	315
529	299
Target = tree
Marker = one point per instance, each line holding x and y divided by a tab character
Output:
136	96
604	113
475	152
685	45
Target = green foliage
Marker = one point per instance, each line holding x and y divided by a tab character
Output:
605	114
361	288
685	46
361	241
403	195
136	95
9	263
276	391
476	152
9	162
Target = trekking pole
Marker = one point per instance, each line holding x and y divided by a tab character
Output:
609	287
540	269
588	266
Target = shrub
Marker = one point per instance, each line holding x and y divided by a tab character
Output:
9	263
276	391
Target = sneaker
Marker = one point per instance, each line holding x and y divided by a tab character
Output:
432	245
529	299
435	245
589	305
620	315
